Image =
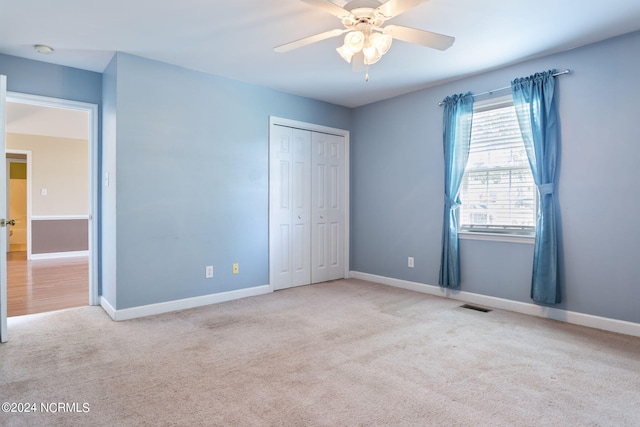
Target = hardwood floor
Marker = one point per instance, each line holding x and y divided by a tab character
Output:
45	285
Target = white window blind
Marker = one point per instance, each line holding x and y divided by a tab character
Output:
498	193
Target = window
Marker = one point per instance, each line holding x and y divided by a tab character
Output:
498	193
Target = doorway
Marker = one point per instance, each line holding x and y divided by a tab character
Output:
52	251
17	197
308	203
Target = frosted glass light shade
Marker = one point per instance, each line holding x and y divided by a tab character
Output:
382	42
345	53
371	55
354	41
369	46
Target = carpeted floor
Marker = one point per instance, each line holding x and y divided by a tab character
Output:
343	353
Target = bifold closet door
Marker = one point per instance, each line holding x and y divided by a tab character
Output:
306	207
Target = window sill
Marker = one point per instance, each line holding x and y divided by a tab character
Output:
498	237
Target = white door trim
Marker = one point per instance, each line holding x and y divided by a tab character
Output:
28	162
279	121
92	110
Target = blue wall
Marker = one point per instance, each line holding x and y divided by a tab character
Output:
397	186
56	81
191	172
187	154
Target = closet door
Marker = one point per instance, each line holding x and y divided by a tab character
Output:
306	207
328	211
289	207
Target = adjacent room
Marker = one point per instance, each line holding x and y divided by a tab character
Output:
324	212
48	199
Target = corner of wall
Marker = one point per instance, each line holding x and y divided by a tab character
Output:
106	305
107	185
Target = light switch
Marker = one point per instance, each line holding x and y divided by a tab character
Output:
43	191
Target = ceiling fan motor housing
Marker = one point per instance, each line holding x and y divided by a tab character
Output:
362	4
363	16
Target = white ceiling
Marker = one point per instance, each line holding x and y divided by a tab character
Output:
46	121
235	39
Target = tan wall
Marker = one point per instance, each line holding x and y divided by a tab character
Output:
59	236
59	165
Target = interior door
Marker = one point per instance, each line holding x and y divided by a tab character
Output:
328	233
16	204
7	212
3	210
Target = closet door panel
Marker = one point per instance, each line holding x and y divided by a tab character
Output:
328	207
301	214
289	208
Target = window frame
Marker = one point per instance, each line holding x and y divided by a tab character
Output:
504	235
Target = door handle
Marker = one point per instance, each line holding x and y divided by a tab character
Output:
7	222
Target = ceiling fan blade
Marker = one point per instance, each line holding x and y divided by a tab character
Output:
327	6
308	40
424	38
396	7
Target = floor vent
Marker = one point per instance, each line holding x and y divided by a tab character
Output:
476	308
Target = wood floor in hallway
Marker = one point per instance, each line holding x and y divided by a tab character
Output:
45	285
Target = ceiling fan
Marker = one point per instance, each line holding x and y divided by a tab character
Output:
366	40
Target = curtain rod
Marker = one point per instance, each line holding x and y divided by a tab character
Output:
489	92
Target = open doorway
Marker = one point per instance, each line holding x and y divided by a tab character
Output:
51	156
17	196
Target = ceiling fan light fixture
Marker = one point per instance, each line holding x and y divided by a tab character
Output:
345	53
354	41
371	55
382	42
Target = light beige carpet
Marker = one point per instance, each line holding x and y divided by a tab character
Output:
344	353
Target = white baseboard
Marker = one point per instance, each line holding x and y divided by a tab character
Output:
181	304
52	255
106	305
604	323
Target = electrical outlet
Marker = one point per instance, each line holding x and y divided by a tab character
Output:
410	262
208	272
236	268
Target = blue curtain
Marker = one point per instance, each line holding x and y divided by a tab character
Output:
456	128
533	98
